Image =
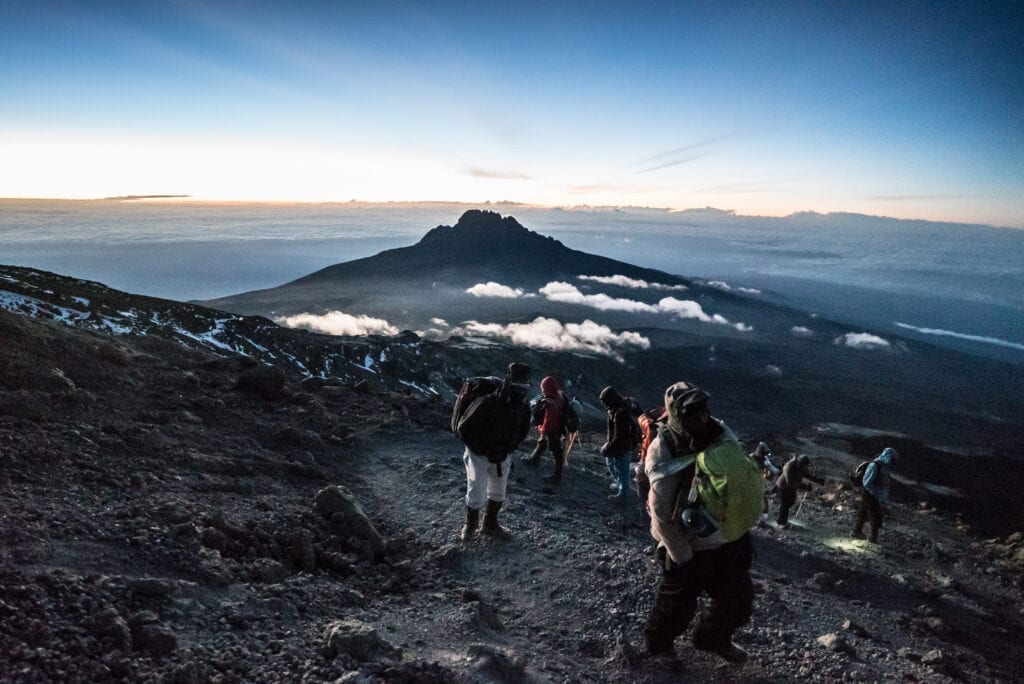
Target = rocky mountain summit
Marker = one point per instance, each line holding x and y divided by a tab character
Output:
176	511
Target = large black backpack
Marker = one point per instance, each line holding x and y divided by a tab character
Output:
487	420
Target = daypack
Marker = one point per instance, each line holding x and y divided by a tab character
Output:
570	419
727	485
485	421
857	474
647	426
537	410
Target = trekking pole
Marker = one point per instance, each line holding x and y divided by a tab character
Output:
797	514
568	449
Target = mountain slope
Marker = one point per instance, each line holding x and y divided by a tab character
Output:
165	521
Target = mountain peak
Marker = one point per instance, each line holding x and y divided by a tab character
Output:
482	226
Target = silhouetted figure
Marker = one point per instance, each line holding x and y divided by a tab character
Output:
875	491
492	425
698	559
618	447
553	405
793	477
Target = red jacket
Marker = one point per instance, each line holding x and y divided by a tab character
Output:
554	407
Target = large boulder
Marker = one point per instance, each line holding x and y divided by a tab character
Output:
340	506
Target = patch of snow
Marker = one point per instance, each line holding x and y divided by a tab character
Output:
81	300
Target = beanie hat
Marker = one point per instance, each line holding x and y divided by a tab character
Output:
519	373
610	396
680	399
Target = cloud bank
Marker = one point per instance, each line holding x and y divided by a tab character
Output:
493	289
338	323
634	283
861	341
963	336
567	293
552	334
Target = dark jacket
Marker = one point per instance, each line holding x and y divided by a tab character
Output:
620	431
793	475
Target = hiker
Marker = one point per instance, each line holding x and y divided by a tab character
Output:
793	477
550	418
618	447
762	456
649	422
875	490
696	560
492	418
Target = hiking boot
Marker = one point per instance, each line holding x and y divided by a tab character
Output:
472	521
531	460
491	526
730	653
857	534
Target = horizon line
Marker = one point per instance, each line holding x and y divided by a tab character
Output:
179	199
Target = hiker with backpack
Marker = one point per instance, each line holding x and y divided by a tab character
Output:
762	456
873	480
551	414
705	497
649	422
622	439
492	419
794	474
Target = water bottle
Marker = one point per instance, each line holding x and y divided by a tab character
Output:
698	522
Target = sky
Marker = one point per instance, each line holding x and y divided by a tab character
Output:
904	109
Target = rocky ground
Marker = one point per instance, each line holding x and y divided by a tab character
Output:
172	515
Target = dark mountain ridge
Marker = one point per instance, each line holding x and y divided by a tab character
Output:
483	245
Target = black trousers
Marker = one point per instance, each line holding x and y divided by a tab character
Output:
870	511
724	573
787	497
552	442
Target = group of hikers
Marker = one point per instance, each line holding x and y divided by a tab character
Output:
701	489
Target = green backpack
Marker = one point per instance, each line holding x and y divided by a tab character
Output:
729	485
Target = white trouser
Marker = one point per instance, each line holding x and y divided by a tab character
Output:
482	480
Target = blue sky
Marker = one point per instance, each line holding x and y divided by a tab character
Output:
901	109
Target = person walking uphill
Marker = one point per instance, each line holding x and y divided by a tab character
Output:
618	448
875	490
705	497
552	407
793	475
492	419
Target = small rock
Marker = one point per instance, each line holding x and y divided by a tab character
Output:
835	642
357	640
855	629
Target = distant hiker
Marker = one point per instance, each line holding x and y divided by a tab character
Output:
705	497
649	422
492	419
762	456
550	413
622	439
794	473
875	491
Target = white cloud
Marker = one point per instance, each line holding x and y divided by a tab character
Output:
549	333
439	322
558	291
684	308
800	331
339	323
743	327
722	285
862	341
493	289
634	283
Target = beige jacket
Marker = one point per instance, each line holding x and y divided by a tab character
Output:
669	477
